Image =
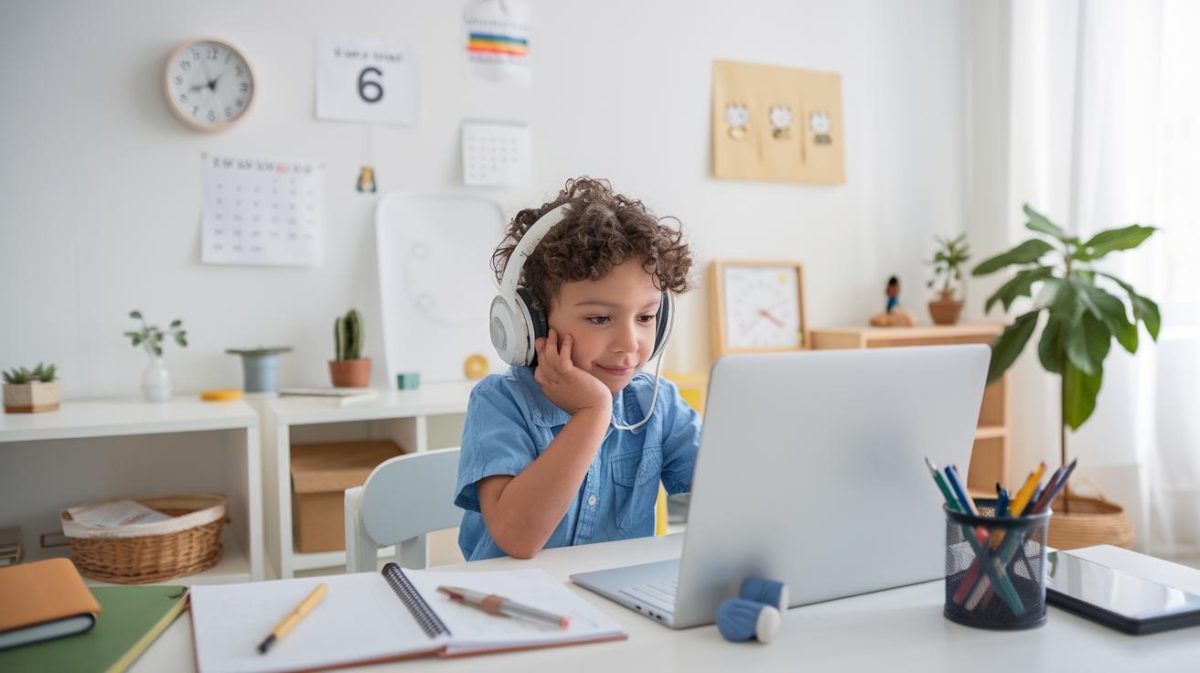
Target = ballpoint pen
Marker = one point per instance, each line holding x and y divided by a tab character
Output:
499	605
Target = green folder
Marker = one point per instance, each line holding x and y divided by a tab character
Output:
130	619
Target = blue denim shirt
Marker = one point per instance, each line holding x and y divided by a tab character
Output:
510	423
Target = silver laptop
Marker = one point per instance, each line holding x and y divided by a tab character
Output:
811	472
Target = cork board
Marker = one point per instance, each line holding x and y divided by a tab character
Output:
776	123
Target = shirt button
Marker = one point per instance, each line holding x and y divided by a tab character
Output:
592	500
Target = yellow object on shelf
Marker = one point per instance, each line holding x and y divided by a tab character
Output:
224	395
475	366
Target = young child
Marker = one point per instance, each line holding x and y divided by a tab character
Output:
544	462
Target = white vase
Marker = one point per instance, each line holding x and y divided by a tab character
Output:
156	381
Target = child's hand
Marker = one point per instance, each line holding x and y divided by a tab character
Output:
566	385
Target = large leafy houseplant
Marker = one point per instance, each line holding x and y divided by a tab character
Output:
1082	315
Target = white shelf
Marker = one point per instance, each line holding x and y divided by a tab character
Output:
400	416
429	400
94	449
109	417
234	567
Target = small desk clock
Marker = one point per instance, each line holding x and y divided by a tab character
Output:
756	306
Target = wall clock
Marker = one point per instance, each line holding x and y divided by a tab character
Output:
756	306
209	84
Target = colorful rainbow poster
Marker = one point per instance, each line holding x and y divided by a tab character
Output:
496	36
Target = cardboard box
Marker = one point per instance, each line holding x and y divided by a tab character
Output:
321	473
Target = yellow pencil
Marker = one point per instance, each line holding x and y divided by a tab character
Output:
293	618
1023	497
1027	489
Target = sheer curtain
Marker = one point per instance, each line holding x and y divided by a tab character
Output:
1103	130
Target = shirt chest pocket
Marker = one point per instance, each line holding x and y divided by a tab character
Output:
636	476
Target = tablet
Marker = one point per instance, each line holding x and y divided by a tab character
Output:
1114	598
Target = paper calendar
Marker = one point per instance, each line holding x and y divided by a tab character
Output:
261	211
495	154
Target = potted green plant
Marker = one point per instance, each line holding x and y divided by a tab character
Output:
31	392
349	369
156	380
1082	319
947	263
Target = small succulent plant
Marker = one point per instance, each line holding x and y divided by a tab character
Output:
41	373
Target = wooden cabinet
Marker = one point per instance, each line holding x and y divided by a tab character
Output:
989	457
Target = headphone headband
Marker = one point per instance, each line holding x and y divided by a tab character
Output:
525	247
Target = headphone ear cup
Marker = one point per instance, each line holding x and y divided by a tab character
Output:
535	320
662	322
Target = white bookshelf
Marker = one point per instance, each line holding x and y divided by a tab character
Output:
418	420
95	449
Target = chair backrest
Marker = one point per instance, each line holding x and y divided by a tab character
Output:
402	500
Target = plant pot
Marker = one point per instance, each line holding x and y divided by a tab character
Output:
32	398
1091	521
350	373
945	311
156	381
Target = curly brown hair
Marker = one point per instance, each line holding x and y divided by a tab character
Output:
601	230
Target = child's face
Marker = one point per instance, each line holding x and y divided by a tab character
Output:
612	322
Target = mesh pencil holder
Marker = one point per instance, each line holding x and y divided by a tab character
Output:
996	569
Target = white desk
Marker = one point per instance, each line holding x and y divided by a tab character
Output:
898	630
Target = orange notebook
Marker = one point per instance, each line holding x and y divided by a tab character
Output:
373	617
42	601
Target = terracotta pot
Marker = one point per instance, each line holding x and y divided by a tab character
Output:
350	373
945	311
32	398
1091	521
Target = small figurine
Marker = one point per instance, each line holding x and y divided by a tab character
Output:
893	315
366	179
893	293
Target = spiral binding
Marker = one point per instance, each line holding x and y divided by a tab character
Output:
425	616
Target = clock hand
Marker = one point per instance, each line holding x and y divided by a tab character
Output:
767	314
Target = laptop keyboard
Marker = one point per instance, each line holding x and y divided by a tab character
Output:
660	595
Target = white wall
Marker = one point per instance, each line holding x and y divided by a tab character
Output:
100	187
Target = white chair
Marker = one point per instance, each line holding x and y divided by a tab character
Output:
402	500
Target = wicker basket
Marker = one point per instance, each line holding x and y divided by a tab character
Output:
151	552
1091	521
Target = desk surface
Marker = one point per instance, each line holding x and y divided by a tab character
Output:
897	630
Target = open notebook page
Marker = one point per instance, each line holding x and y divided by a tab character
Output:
472	629
361	618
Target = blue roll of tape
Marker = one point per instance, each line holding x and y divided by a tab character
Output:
739	619
769	592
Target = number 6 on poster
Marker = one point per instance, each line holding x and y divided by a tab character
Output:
368	80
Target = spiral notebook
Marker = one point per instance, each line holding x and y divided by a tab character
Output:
374	617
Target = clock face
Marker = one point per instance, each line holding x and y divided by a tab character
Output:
209	84
761	307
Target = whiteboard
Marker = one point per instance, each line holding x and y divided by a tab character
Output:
435	282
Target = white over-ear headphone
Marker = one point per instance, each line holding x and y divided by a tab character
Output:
515	323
